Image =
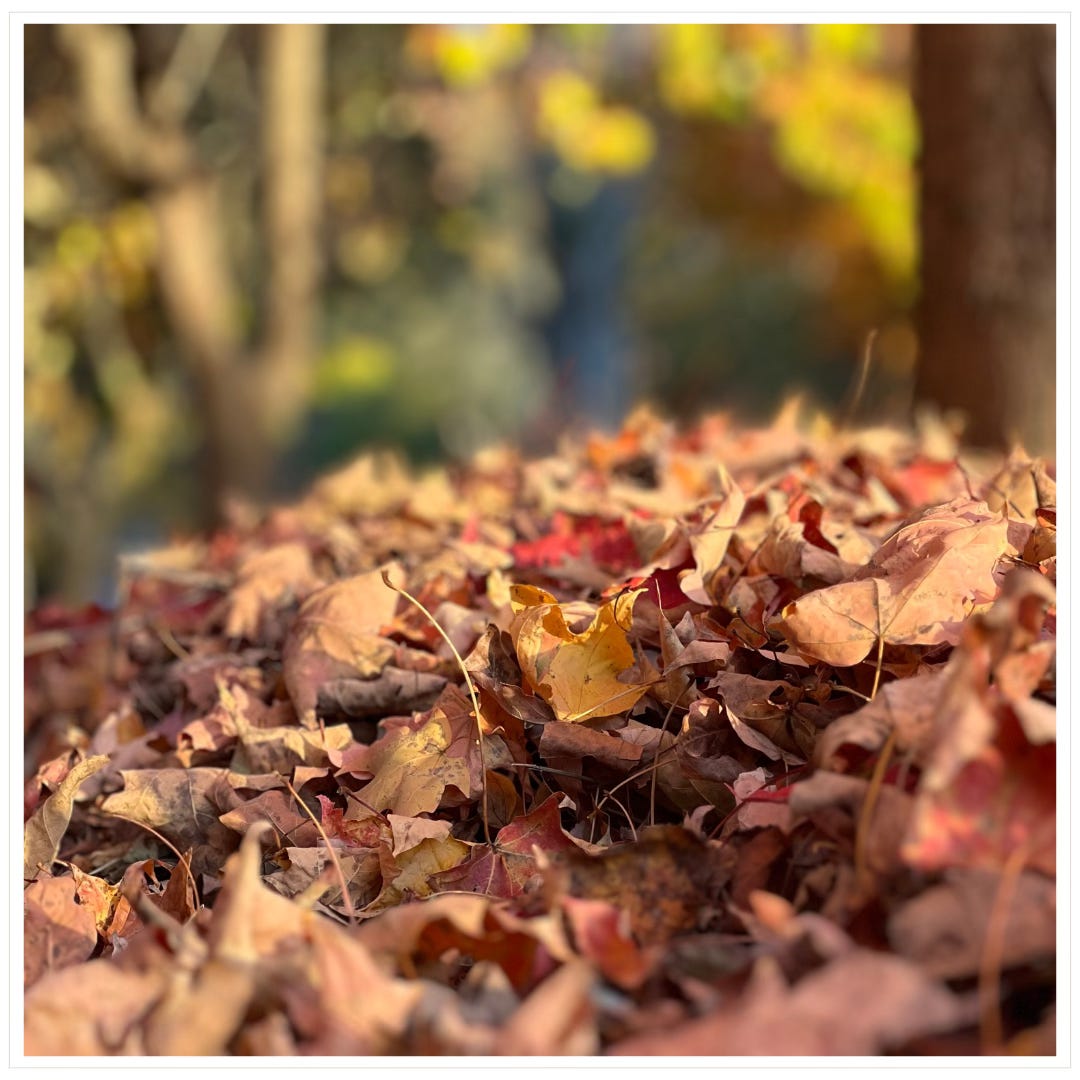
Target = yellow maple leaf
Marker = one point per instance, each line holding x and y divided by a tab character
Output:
577	674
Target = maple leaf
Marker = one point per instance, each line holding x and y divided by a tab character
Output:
494	667
710	532
413	872
185	806
988	788
506	869
337	635
414	762
905	709
577	674
916	590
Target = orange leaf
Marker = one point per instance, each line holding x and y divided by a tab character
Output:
576	674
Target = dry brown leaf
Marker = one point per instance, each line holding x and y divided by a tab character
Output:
44	831
664	880
944	929
58	930
110	1004
393	692
410	831
337	635
184	805
860	1003
907	707
710	533
410	874
916	590
558	1017
267	579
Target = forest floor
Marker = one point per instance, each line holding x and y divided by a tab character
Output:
699	742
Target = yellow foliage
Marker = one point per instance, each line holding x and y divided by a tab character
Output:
588	135
844	41
467	56
578	675
79	244
853	135
356	365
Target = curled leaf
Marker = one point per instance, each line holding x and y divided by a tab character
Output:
44	831
577	674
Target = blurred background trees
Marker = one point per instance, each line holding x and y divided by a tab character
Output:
253	251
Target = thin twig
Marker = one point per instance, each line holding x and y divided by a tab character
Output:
991	1033
350	911
654	764
169	845
866	814
472	694
859	385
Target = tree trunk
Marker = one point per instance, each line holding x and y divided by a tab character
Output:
251	390
985	96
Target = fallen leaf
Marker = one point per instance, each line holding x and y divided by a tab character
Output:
916	590
414	764
906	709
111	1003
558	1017
58	931
337	635
860	1003
44	831
412	873
559	741
944	929
392	692
601	933
663	880
577	674
410	831
507	869
710	531
184	805
494	667
278	808
267	579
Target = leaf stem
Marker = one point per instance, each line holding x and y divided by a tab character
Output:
473	696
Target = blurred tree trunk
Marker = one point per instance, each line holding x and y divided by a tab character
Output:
251	390
985	96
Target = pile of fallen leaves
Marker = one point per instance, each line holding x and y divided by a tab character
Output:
706	742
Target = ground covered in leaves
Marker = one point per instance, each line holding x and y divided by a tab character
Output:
709	742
